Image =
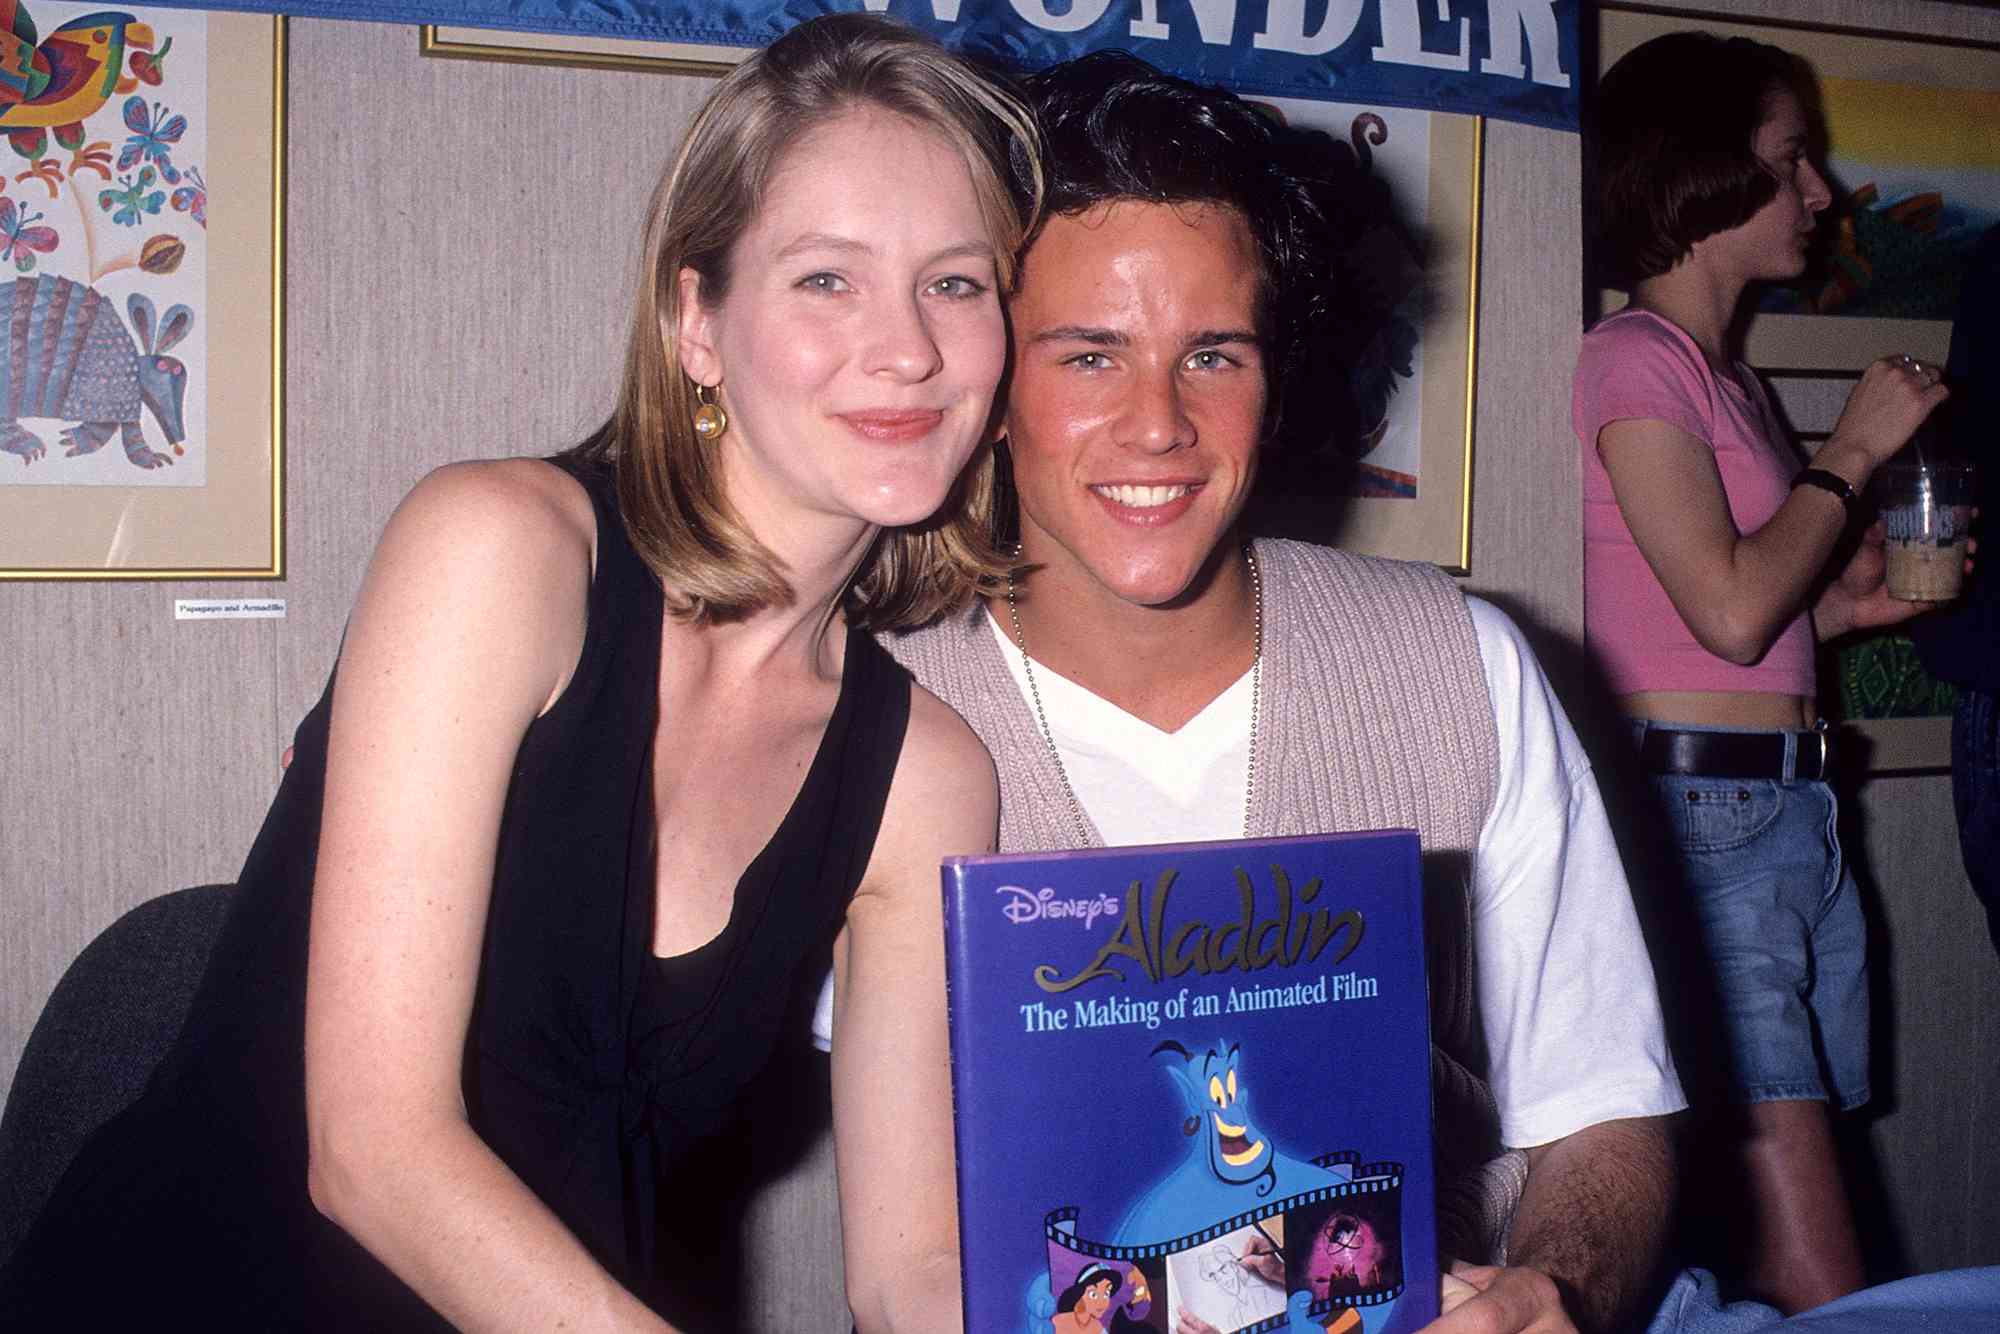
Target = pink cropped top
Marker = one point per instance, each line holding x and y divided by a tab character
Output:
1638	365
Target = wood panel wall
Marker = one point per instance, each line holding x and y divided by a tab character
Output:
461	238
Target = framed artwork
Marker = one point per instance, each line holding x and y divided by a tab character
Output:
141	397
1882	672
1915	167
461	43
1409	493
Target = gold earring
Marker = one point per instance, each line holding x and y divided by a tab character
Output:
710	421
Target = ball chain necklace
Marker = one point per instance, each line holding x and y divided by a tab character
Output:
1256	690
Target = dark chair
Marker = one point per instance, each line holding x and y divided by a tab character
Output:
111	1019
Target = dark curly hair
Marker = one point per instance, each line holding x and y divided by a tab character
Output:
1116	128
1671	146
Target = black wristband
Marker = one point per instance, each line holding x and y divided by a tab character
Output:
1831	482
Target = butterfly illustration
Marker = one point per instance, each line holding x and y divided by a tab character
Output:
130	199
154	134
192	198
19	239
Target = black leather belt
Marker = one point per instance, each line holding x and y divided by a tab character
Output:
1737	754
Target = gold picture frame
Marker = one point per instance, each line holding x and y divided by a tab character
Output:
450	42
232	525
1437	525
1434	525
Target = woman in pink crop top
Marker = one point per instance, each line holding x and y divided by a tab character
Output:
1707	578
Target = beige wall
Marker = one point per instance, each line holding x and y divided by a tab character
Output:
460	239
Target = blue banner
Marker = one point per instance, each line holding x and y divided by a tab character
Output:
1513	59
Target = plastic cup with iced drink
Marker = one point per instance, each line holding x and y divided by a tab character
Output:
1927	511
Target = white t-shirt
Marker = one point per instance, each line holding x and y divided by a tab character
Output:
1566	994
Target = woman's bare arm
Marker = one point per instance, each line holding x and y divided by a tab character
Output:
469	622
891	1066
1737	591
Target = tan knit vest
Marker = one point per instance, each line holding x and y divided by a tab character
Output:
1374	715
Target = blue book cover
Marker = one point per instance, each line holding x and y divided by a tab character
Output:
1193	1079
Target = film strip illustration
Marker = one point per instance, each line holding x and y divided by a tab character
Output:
1357	1217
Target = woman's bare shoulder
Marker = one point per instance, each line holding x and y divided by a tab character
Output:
502	501
941	746
522	525
498	553
945	798
944	801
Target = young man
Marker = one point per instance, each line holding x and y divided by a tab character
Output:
1149	675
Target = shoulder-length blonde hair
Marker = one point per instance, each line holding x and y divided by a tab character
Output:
669	482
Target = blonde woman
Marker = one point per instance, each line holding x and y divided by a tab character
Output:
610	761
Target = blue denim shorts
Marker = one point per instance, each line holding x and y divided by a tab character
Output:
1784	930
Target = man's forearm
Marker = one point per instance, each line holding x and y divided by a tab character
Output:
1594	1216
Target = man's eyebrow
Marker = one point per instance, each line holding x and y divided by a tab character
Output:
1212	337
1095	335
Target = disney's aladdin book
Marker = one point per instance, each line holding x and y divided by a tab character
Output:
1193	1080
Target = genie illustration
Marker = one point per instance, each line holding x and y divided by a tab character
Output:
1196	1219
1230	1166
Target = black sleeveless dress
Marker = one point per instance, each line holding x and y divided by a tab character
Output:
592	1067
